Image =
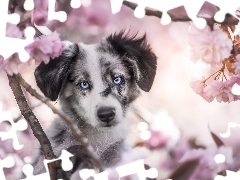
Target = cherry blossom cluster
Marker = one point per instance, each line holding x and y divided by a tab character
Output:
41	50
219	90
45	47
218	48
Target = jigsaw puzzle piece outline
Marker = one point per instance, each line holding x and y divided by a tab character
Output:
66	166
21	125
53	15
135	167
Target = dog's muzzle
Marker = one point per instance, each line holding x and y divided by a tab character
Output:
106	114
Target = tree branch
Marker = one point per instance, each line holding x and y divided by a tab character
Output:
34	124
76	133
12	6
229	19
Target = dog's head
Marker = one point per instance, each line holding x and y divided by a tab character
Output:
97	82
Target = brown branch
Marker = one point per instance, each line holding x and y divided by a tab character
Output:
12	6
34	123
229	19
76	133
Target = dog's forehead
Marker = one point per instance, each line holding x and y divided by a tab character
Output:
94	59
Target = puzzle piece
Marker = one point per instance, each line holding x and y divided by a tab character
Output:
236	89
66	166
8	162
219	158
28	5
21	125
192	9
52	15
231	8
231	175
28	171
230	125
8	45
66	163
136	167
75	3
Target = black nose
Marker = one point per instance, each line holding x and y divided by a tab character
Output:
106	114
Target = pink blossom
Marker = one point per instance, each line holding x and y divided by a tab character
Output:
157	140
212	47
219	90
212	90
10	65
207	167
45	47
40	17
13	30
197	86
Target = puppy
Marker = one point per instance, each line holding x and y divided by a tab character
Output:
95	85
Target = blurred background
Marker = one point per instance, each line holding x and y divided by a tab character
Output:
180	113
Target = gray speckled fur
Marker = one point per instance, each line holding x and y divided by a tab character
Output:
98	64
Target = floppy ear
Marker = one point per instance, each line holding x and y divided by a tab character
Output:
139	54
52	76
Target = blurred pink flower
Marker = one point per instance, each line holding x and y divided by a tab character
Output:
176	154
213	90
98	14
43	4
45	47
157	140
197	86
6	149
13	30
212	47
207	167
40	17
10	65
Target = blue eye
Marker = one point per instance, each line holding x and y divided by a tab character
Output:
117	80
84	85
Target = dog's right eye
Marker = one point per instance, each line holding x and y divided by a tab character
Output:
84	85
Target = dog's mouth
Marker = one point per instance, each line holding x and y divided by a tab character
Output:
108	125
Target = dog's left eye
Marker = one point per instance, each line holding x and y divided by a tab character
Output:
117	80
84	85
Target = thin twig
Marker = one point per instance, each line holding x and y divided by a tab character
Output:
229	19
210	76
76	133
34	123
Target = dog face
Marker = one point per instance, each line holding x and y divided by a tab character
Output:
96	83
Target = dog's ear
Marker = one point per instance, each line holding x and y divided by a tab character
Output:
51	77
138	54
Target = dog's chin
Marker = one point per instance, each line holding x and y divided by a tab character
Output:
108	125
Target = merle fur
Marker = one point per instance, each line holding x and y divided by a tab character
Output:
132	53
